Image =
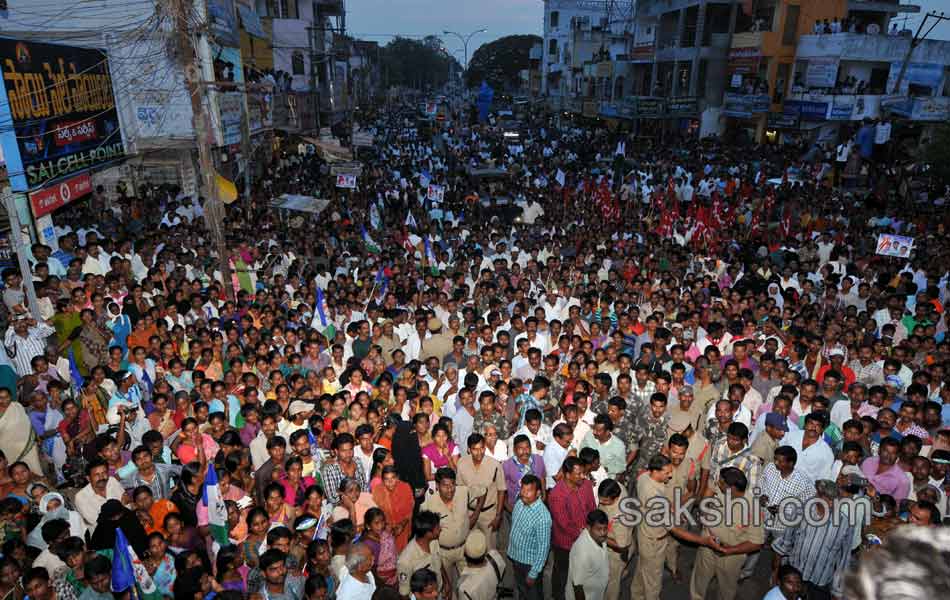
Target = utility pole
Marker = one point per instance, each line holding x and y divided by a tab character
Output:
19	245
916	41
200	108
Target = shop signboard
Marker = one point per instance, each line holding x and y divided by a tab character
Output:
744	60
57	112
809	110
231	108
931	109
821	72
682	107
60	194
783	120
743	106
841	112
650	108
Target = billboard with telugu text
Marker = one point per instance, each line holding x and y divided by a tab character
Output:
57	113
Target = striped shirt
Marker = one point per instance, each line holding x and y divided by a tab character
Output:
530	537
818	551
22	350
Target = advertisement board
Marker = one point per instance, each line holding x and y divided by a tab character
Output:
346	181
57	113
231	107
821	72
53	197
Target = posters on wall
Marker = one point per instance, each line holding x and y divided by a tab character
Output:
57	112
436	193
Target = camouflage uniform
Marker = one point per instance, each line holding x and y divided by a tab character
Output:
652	437
626	430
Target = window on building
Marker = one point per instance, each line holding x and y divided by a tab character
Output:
296	63
790	31
555	19
552	47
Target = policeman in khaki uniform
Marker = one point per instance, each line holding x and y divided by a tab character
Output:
619	535
422	551
483	571
451	503
685	478
485	480
655	528
732	541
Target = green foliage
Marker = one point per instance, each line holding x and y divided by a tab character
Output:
937	153
501	62
418	64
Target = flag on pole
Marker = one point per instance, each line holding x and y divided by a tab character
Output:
430	255
127	569
74	373
561	178
371	246
319	320
214	503
374	220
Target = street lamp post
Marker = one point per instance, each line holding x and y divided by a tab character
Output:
465	39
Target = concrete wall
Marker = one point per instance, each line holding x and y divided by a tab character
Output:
291	35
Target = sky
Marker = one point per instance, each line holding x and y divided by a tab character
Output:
380	20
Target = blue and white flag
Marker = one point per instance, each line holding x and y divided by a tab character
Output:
127	569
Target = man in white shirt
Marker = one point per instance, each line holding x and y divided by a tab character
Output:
588	573
356	581
555	453
100	489
815	457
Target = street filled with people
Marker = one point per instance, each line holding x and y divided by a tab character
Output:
532	358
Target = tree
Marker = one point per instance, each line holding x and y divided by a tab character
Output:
937	153
416	64
500	62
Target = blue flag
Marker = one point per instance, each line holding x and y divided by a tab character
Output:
320	313
148	381
127	570
74	373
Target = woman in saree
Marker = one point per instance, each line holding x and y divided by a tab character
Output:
395	498
17	438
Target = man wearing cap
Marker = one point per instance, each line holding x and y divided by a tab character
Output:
127	392
818	547
776	426
685	412
451	502
483	571
485	480
438	343
299	412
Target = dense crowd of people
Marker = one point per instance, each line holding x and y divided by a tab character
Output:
480	370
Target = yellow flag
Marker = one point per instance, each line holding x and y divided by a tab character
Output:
227	192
